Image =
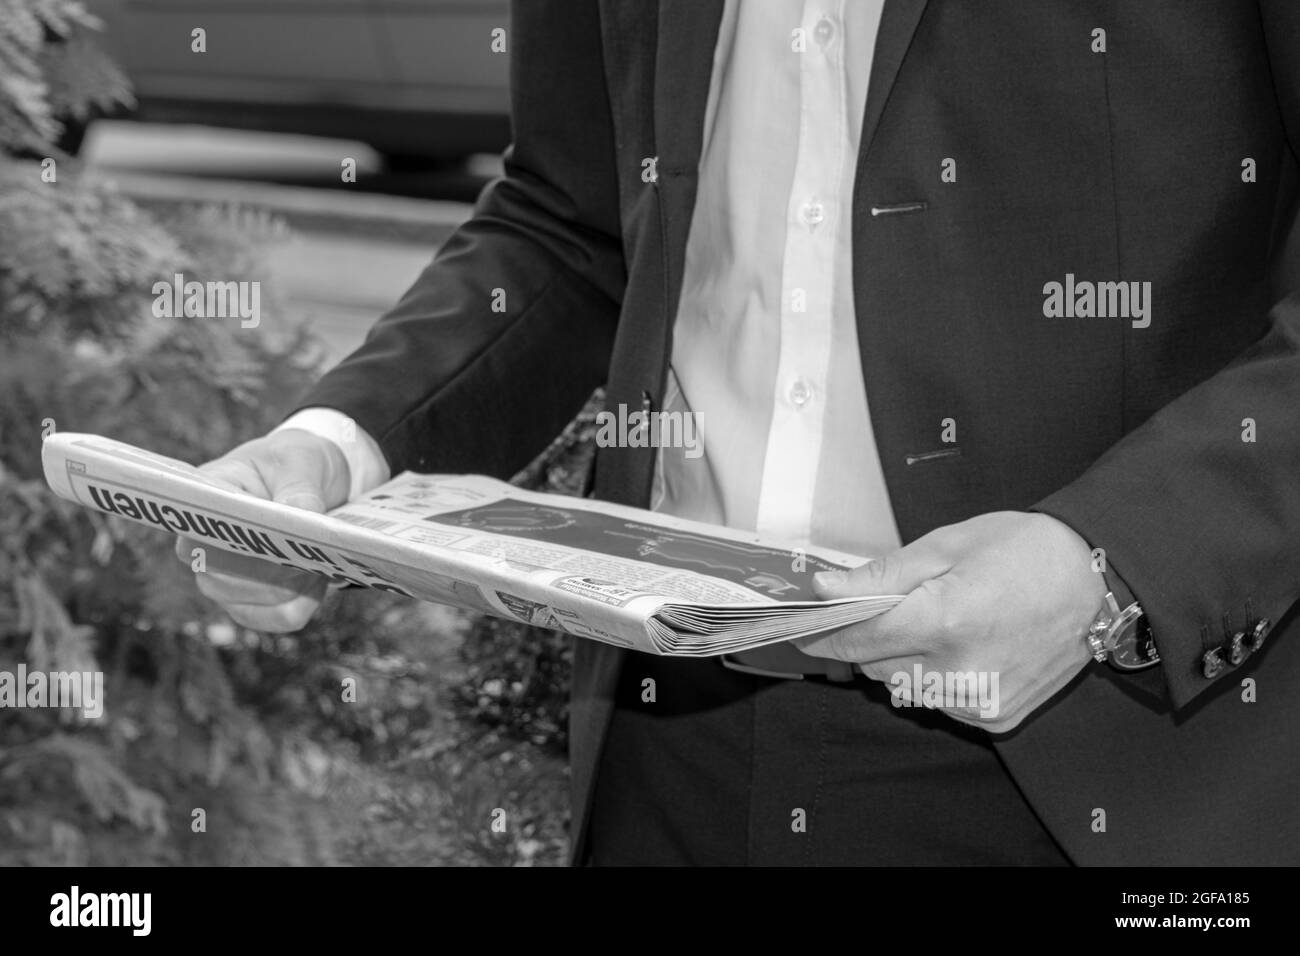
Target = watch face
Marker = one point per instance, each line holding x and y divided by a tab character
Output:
1135	648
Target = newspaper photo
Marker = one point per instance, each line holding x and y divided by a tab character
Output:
622	575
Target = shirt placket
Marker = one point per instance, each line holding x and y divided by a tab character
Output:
814	217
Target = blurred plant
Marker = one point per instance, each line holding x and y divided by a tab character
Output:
202	715
517	678
83	350
51	72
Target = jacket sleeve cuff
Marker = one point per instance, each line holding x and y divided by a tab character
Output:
1150	682
1177	611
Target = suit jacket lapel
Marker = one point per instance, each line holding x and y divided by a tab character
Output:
898	23
687	35
682	44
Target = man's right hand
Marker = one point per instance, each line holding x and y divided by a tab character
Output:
293	467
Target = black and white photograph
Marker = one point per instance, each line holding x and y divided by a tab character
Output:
470	434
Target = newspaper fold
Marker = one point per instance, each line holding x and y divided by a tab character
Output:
621	575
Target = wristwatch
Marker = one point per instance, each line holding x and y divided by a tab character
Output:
1122	637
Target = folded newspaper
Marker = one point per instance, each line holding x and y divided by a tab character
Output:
621	575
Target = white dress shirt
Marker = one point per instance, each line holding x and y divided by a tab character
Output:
765	344
765	347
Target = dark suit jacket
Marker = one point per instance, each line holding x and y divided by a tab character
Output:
1123	165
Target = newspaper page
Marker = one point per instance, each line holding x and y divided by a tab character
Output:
621	575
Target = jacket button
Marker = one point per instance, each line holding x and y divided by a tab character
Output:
1237	650
1212	663
1257	634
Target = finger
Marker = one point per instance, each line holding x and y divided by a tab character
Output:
900	572
236	474
233	475
900	677
298	491
281	619
185	548
911	626
905	630
288	481
1016	707
228	590
885	671
299	477
217	560
846	644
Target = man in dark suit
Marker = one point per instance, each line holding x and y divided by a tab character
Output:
1051	239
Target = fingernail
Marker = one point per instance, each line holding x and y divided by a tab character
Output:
828	580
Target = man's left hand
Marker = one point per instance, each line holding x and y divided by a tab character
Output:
1008	596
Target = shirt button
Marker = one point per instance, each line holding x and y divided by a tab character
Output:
813	212
801	393
824	32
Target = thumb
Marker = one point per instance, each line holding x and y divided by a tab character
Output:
290	468
297	489
899	572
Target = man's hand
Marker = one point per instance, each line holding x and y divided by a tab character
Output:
1008	596
294	467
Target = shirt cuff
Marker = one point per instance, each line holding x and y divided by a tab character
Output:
367	467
